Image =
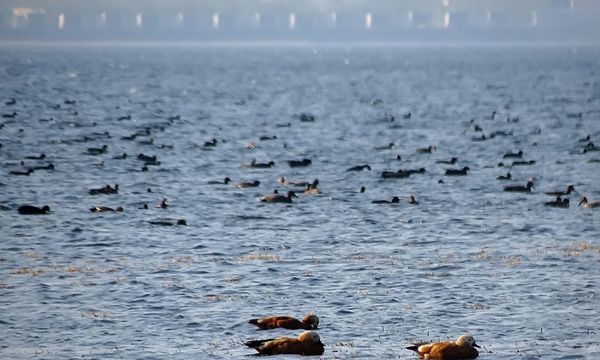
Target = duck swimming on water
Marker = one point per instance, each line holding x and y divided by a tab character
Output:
42	167
97	151
105	190
517	155
395	200
256	165
523	163
180	222
278	198
570	189
40	157
447	162
457	172
311	190
386	147
589	204
211	143
308	343
412	201
508	176
105	209
427	150
299	163
359	168
303	184
225	181
400	174
461	349
163	204
415	171
518	188
309	322
559	203
247	184
21	173
33	210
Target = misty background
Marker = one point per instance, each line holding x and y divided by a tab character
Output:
302	20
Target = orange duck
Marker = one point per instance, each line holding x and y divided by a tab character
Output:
308	343
461	349
309	322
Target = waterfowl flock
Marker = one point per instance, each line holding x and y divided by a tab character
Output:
309	342
308	187
284	178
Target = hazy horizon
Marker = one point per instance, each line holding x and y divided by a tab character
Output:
570	21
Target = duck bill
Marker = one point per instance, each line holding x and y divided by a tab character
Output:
320	343
477	346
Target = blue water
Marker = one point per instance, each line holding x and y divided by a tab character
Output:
522	278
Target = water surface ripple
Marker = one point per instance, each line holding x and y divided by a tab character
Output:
523	278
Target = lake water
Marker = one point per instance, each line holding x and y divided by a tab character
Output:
522	278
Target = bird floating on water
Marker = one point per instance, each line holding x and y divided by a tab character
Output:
569	190
517	155
247	184
308	343
412	201
508	176
452	161
589	204
559	203
225	181
309	322
457	172
461	349
33	210
256	165
278	198
299	163
519	188
395	200
426	150
105	209
97	151
359	168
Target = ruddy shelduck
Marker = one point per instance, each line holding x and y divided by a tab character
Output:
309	322
308	343
461	349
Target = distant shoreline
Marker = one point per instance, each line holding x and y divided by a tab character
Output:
376	37
298	43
